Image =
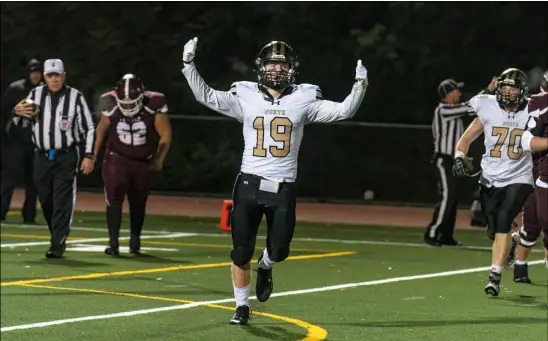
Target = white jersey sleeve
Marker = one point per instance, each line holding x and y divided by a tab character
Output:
223	102
321	110
477	106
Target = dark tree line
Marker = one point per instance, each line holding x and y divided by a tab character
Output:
408	47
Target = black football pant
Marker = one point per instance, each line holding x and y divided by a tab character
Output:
502	205
56	184
445	214
249	205
18	168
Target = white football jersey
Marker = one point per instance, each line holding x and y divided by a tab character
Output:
504	162
272	128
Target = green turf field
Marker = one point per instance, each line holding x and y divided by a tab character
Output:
340	283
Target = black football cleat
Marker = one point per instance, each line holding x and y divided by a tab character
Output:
241	317
521	273
52	254
264	285
112	251
493	284
431	241
450	242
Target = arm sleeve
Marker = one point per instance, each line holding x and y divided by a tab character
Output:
223	102
321	110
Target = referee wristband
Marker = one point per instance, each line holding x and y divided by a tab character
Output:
460	154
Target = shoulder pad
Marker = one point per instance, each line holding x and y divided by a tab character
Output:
311	89
538	104
478	101
244	85
155	102
107	103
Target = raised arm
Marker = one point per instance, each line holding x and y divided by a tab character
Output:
327	111
223	102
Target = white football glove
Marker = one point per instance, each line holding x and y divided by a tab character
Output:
361	75
190	50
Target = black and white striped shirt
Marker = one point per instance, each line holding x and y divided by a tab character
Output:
64	120
447	127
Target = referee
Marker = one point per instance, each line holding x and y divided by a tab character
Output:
61	121
447	128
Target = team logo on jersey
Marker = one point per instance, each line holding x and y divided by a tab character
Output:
64	124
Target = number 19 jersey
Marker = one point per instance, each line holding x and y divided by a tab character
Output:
504	161
273	127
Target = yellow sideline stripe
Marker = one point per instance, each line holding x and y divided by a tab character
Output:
164	269
313	333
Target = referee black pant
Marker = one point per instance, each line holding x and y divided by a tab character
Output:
56	184
18	168
443	221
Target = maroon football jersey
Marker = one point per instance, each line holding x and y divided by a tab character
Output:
134	137
538	107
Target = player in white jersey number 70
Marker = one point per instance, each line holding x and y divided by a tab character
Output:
507	172
273	111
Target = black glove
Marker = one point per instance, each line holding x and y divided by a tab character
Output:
462	167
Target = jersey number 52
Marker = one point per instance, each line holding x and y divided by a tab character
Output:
280	131
502	133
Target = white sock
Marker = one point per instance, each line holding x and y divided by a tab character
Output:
520	262
266	263
496	268
242	295
547	264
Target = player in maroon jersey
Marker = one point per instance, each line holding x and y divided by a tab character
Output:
535	215
138	133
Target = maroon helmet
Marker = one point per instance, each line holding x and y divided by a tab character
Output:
129	95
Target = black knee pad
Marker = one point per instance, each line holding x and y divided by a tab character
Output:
279	254
241	256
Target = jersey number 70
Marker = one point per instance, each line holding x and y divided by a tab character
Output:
284	137
502	133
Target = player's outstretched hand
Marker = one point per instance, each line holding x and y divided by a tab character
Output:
361	74
190	50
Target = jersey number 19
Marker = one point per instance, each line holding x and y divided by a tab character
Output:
280	131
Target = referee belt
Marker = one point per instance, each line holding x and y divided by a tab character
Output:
45	153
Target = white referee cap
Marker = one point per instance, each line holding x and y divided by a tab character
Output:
53	66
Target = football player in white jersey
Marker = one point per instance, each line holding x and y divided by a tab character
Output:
507	172
273	111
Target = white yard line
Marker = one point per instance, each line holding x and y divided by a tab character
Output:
91	240
230	300
317	240
78	228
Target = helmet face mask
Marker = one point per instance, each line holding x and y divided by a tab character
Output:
511	88
276	65
129	95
